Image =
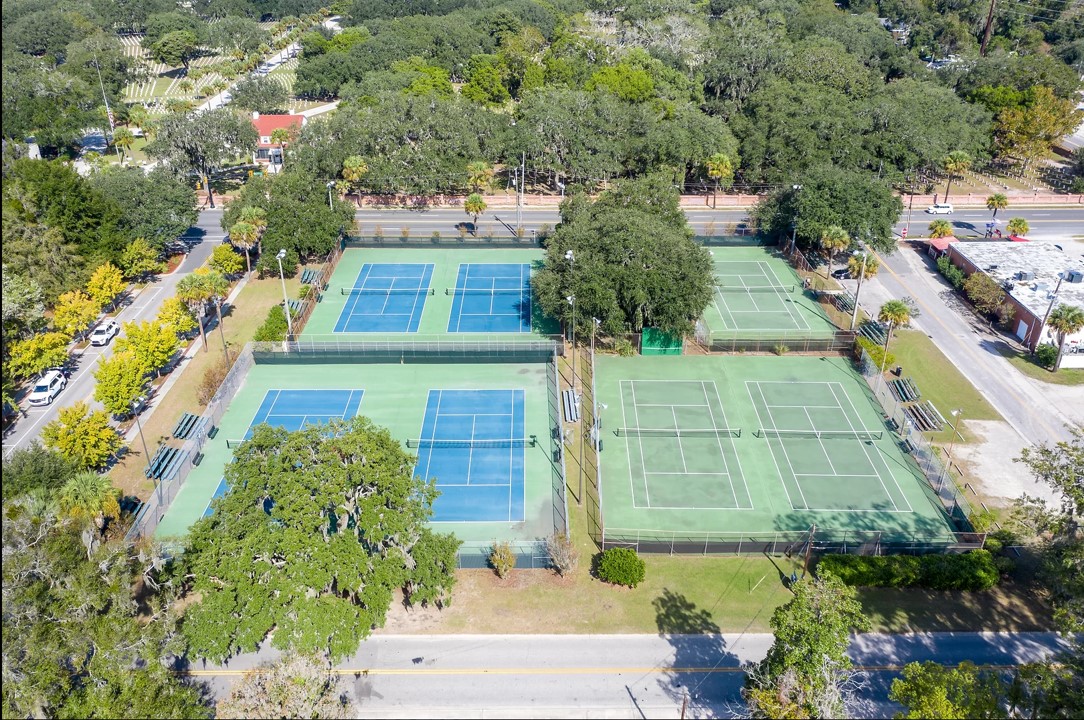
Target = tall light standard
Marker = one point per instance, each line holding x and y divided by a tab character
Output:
285	298
794	221
330	185
957	414
861	279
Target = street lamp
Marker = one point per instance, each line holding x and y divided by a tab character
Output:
861	279
330	185
957	415
285	298
794	223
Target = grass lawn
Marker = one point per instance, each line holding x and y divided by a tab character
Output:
939	381
1026	364
247	314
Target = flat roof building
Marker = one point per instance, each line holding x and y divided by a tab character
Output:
1029	272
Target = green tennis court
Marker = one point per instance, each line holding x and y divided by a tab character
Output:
459	299
752	444
760	293
506	492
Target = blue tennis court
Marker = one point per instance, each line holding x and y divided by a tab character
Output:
472	443
294	409
491	297
386	297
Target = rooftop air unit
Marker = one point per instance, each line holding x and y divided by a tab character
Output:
1025	275
1074	276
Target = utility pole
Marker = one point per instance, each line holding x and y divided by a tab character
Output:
519	200
988	28
861	279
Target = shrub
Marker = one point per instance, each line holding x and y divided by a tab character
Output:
503	558
624	347
982	520
950	272
780	349
562	552
1004	565
984	292
992	545
1006	537
621	566
875	351
303	291
975	570
274	328
1046	355
212	379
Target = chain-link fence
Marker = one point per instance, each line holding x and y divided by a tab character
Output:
416	348
915	443
870	542
154	509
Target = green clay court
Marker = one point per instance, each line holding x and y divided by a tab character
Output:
470	424
760	294
753	445
431	293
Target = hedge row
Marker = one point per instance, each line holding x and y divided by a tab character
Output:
274	327
975	570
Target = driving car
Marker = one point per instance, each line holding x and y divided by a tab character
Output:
940	209
47	388
104	333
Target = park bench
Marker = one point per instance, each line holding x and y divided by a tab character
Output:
170	469
572	406
160	461
185	426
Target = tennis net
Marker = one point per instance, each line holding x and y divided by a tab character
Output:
487	291
677	432
386	291
779	289
821	434
477	443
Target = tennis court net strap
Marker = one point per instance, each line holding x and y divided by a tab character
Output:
821	434
677	432
780	289
387	291
486	291
504	443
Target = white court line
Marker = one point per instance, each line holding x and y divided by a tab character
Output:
733	446
872	464
628	445
681	450
822	475
713	474
783	447
820	441
640	442
719	441
826	407
760	422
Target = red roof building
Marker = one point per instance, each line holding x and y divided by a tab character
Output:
269	152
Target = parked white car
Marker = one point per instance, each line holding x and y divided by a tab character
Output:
47	388
940	209
104	333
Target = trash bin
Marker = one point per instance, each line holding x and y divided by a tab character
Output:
898	371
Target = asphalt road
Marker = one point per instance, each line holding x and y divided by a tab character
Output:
619	676
1048	222
143	305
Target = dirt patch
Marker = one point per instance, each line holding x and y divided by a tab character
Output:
989	463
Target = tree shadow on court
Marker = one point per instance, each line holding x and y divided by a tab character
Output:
699	673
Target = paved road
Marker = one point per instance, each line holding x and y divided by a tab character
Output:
1046	222
968	343
626	676
142	306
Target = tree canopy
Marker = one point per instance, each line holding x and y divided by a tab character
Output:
633	262
318	528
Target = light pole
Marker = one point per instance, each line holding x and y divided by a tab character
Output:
221	332
285	298
861	279
957	414
910	204
794	223
330	185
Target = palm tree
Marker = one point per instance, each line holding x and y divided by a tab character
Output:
1018	226
124	139
861	266
217	287
893	314
479	174
1065	321
720	169
89	496
194	292
940	229
280	136
474	205
138	115
186	85
834	239
997	201
954	163
354	169
244	235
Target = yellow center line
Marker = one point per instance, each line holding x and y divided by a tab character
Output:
549	671
967	348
